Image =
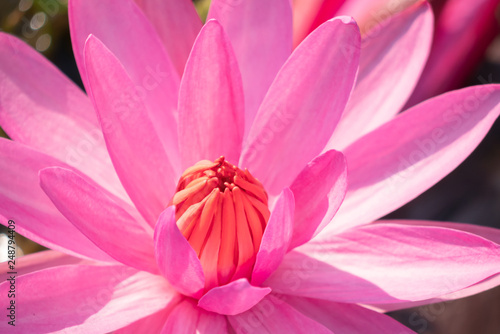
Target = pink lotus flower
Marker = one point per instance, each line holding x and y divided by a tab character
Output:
464	29
236	253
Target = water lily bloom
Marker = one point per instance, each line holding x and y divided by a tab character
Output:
199	186
464	29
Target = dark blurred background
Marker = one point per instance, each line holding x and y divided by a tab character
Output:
470	194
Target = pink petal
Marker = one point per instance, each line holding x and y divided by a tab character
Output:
22	200
392	58
492	234
401	159
37	261
150	324
262	41
326	176
154	80
187	318
276	238
138	156
99	218
387	263
303	105
233	298
177	23
273	315
489	233
464	30
42	108
176	259
87	299
485	285
211	100
347	318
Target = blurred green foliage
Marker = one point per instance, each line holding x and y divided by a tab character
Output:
40	23
202	8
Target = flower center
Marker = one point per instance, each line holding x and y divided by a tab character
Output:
222	211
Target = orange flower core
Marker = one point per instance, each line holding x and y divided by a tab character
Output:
222	211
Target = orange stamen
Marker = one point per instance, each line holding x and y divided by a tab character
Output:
245	244
253	222
222	211
228	250
211	250
200	231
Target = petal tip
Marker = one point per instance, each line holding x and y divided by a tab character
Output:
234	298
212	24
349	20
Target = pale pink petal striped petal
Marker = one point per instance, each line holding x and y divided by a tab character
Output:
137	154
392	58
211	104
187	318
177	24
273	315
176	258
150	324
484	285
318	190
87	299
492	234
43	109
303	105
387	263
398	161
38	261
125	30
262	41
489	233
233	298
22	200
99	218
347	318
276	238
